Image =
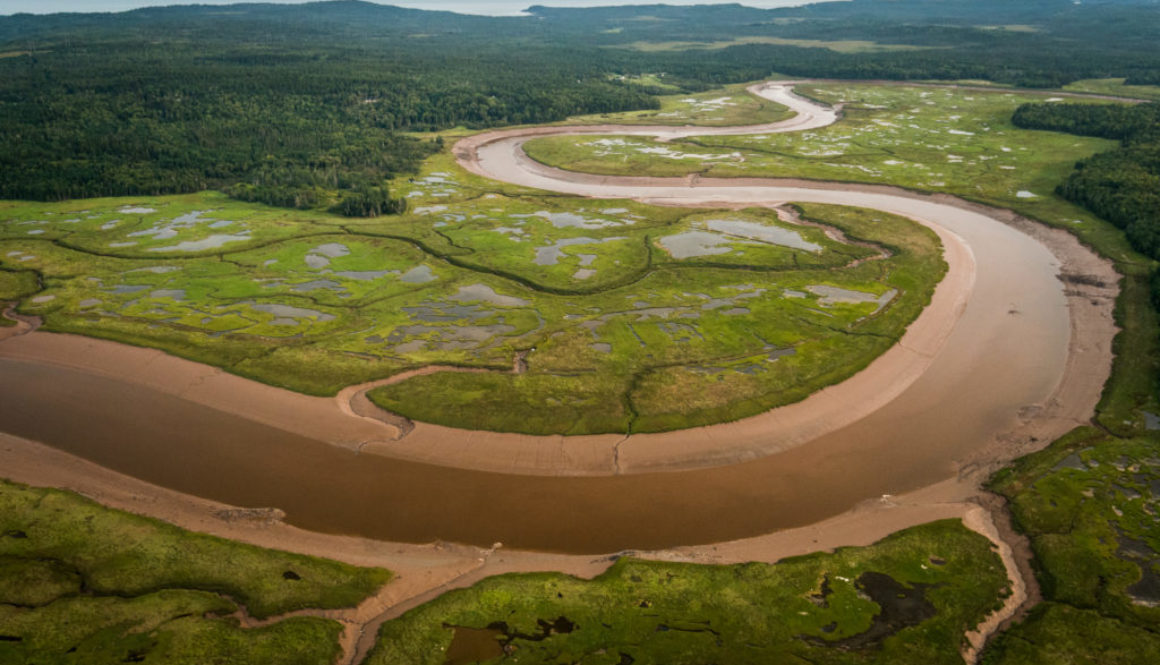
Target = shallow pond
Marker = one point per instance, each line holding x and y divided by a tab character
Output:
774	235
484	293
550	255
289	312
418	275
696	243
830	295
212	242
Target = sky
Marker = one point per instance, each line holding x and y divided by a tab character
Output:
492	7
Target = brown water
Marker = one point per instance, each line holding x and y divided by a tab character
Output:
199	450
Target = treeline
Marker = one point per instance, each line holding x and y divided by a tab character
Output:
311	105
1122	122
300	129
1122	185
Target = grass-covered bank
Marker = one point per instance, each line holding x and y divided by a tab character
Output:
705	339
616	297
1089	504
80	583
907	599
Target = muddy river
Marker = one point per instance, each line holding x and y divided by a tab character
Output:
1004	358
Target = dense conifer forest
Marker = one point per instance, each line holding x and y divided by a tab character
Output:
1122	185
309	105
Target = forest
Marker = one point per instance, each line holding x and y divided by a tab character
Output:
311	105
1121	185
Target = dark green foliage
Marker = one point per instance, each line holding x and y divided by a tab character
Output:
370	202
1122	185
80	583
302	198
1109	121
296	105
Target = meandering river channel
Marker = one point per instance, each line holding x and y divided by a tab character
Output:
1005	357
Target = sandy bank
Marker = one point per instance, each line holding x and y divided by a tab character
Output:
425	571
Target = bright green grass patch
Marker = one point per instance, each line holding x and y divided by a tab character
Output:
815	608
1131	390
704	338
526	403
16	284
108	552
730	106
839	46
183	226
80	583
1115	87
671	397
955	141
602	290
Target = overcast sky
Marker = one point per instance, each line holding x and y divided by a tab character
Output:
498	7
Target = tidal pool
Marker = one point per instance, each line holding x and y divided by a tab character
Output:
122	289
418	275
566	220
289	312
156	270
830	295
696	243
171	294
332	250
774	235
325	284
212	242
550	255
484	293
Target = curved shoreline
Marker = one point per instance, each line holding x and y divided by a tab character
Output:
352	422
424	571
23	325
428	570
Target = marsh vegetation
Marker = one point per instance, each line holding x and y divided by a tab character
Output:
908	598
633	311
84	583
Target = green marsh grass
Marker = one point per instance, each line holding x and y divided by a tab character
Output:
803	609
467	277
84	583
